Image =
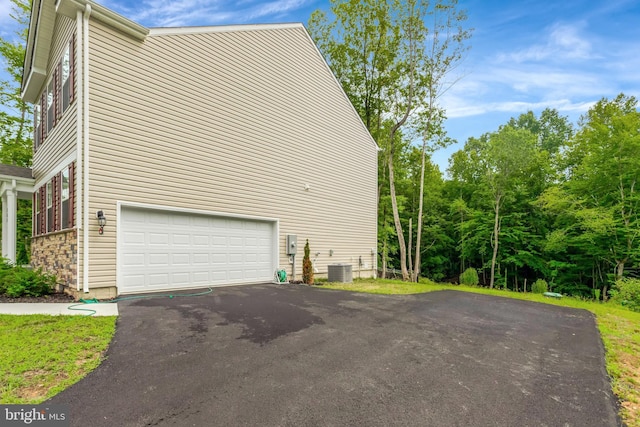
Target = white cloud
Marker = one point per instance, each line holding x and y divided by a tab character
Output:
277	7
551	81
168	13
7	24
457	107
563	42
5	9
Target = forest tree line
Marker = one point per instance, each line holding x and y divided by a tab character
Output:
537	198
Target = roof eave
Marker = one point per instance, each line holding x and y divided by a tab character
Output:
70	8
34	81
34	74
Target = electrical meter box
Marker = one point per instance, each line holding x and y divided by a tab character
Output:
292	244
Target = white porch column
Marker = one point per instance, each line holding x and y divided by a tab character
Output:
5	227
9	222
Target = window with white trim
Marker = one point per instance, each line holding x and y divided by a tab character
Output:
57	95
50	108
37	126
53	208
49	207
66	68
64	199
36	210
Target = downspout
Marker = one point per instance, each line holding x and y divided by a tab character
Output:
85	105
79	126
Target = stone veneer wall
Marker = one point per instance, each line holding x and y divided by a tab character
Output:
57	253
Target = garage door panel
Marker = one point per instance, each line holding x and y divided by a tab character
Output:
158	238
235	224
181	278
159	259
180	259
178	220
180	239
134	260
235	258
158	279
131	237
133	281
157	218
200	239
170	250
200	259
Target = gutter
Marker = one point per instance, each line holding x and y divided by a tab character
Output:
79	126
85	128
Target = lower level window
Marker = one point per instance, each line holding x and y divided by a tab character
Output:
50	226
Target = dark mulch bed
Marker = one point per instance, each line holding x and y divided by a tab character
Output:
57	297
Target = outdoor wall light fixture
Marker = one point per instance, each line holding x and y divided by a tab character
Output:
102	221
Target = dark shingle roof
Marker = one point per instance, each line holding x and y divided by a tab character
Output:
17	171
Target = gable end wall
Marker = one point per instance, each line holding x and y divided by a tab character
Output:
233	122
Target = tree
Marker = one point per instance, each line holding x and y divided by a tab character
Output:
307	266
497	165
388	60
16	129
445	49
603	166
15	118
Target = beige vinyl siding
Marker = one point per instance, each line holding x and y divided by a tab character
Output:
64	29
60	144
233	122
61	141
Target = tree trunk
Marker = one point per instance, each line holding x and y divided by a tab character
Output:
461	242
410	245
396	219
620	268
384	258
416	271
496	232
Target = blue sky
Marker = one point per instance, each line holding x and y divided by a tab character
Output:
525	55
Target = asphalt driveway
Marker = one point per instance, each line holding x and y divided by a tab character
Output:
272	355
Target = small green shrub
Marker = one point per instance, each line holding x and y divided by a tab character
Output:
596	293
20	282
627	293
5	268
469	277
307	265
539	286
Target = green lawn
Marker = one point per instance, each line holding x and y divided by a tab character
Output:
42	355
619	329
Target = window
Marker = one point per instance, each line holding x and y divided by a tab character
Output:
64	199
50	108
49	207
53	203
37	130
43	116
56	96
65	72
38	216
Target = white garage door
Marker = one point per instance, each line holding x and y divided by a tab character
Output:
162	250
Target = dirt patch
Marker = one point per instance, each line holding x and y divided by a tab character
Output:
630	379
53	298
